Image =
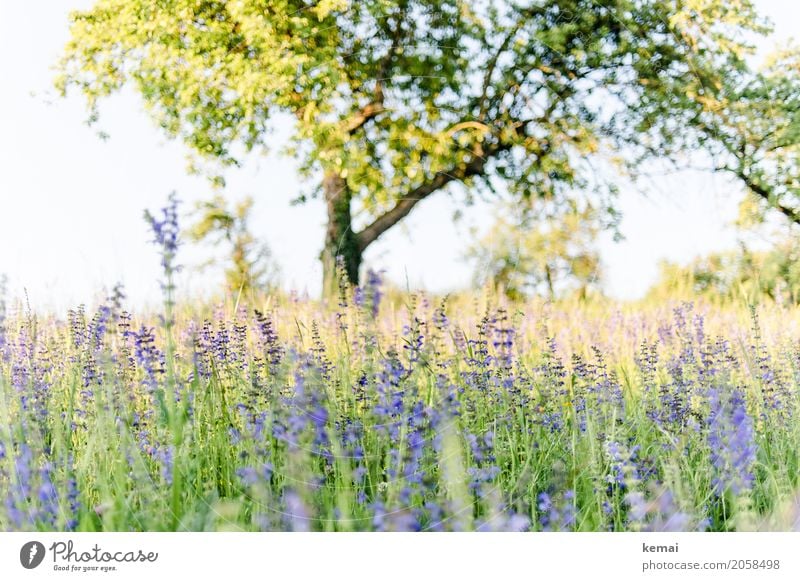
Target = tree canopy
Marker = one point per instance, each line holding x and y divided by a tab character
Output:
529	249
250	265
395	100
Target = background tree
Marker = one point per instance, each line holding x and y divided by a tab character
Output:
249	266
744	274
765	266
754	135
394	101
539	250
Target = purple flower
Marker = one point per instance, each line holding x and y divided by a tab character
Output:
166	457
373	290
296	512
659	515
148	357
624	469
47	496
556	514
269	340
166	233
731	441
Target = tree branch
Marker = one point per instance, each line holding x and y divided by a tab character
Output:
370	111
490	68
375	107
474	167
764	193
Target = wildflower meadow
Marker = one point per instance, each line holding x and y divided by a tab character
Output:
397	411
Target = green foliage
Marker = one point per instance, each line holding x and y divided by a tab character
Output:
536	250
756	133
754	276
399	99
250	266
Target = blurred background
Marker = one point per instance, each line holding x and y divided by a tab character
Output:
72	197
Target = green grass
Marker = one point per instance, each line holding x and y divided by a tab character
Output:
343	421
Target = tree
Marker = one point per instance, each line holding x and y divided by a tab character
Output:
541	250
737	274
250	264
751	131
396	100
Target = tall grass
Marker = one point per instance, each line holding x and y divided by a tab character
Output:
404	412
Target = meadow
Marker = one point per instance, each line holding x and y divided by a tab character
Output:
399	411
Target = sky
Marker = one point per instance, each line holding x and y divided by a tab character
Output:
71	204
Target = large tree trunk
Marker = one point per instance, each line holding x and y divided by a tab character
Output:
341	242
349	246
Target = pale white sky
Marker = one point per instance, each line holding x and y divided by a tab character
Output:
71	204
